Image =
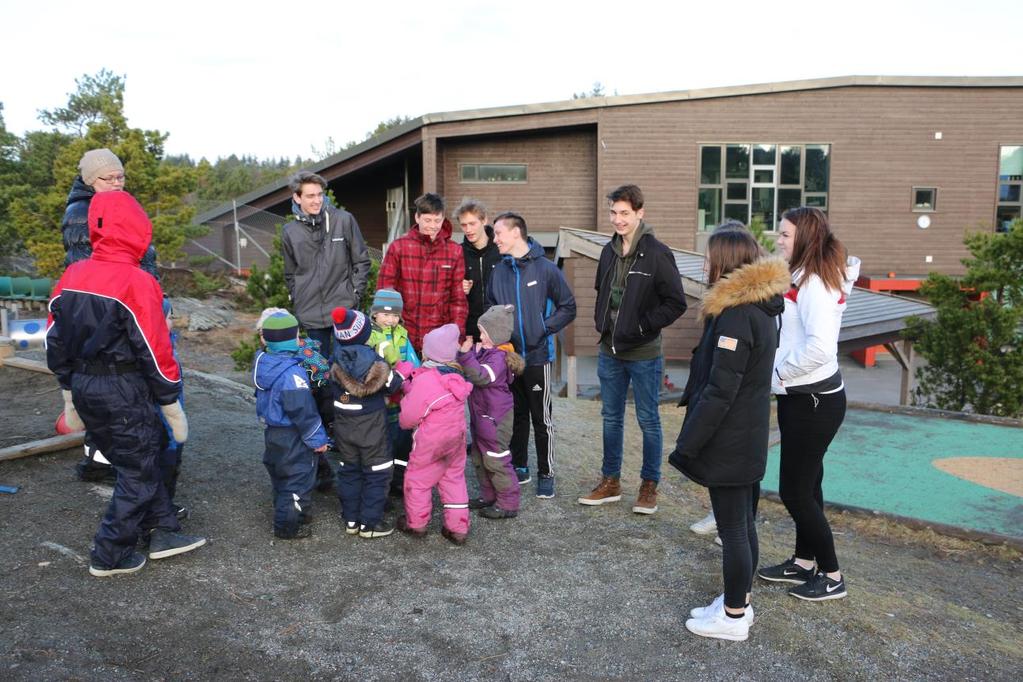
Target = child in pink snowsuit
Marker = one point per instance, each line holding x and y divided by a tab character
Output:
434	405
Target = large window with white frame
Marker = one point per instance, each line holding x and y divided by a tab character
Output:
1010	187
749	180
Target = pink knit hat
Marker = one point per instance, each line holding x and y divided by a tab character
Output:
441	345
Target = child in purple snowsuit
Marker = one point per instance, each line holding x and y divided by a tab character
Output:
491	367
434	405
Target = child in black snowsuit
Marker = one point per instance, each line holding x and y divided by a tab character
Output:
363	381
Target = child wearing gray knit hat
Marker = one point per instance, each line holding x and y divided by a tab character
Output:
497	323
491	366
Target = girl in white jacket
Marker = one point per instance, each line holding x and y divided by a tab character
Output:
810	394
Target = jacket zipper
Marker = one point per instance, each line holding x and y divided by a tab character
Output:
323	256
483	280
518	307
614	328
607	309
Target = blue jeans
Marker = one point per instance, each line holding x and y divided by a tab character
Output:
646	376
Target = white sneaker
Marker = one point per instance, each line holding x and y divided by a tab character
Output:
717	541
705	526
719	605
720	626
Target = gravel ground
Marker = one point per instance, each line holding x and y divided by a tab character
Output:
562	591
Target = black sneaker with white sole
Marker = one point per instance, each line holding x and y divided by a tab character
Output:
380	530
819	588
130	564
164	543
786	572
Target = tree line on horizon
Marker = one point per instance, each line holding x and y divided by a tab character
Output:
38	169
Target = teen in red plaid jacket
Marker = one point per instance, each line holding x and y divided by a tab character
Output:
427	268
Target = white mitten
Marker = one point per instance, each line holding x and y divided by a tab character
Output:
71	418
175	416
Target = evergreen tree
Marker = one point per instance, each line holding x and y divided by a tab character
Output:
974	349
94	118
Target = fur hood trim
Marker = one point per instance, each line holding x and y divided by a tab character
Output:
752	283
515	362
375	379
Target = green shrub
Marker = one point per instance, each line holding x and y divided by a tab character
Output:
244	353
974	348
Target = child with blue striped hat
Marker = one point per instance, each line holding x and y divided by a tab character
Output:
293	432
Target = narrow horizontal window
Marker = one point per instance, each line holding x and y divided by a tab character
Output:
493	172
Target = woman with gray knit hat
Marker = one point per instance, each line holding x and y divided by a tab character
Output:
99	171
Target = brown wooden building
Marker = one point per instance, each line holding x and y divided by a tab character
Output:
905	166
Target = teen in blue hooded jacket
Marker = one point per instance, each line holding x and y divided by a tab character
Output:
544	305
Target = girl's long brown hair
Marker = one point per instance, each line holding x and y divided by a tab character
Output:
730	247
816	250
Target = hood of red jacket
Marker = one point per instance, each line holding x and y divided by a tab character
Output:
443	235
119	228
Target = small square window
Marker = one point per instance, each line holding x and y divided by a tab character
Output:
925	199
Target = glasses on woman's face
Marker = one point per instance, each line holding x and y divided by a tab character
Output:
114	179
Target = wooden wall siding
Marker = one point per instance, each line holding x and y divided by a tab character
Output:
882	145
678	340
367	202
560	185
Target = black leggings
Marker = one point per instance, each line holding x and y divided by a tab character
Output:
808	423
735	510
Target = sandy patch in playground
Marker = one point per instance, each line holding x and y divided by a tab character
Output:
998	473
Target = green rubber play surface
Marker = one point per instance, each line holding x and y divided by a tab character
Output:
947	471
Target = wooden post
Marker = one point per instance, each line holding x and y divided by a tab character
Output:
572	387
559	353
25	363
906	386
36	447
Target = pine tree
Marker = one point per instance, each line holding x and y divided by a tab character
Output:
94	118
974	349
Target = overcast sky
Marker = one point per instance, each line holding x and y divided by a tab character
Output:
277	79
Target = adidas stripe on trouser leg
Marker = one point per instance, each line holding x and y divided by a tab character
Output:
532	393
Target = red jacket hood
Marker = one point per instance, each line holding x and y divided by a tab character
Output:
119	228
444	234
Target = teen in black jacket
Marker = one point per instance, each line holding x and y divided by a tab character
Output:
652	297
723	441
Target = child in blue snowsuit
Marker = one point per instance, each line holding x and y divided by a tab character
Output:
363	381
318	369
293	431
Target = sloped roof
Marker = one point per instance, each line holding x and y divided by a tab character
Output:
870	318
629	100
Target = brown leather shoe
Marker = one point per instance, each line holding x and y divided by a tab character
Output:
647	501
608	490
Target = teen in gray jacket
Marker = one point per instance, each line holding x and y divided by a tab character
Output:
326	263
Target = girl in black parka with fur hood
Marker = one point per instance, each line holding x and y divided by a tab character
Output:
723	441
